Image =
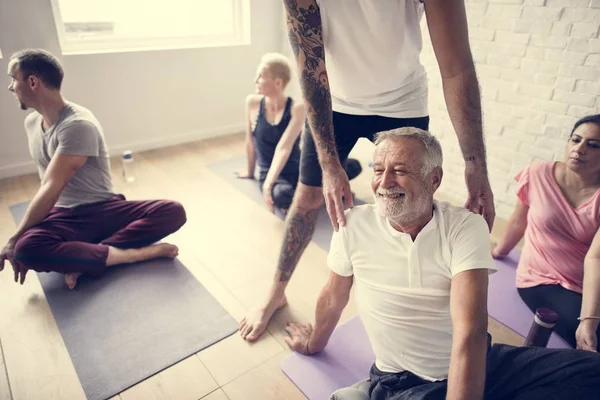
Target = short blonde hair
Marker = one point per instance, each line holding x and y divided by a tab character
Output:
279	66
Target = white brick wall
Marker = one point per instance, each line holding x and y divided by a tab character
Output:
538	63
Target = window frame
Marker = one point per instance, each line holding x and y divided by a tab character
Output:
71	46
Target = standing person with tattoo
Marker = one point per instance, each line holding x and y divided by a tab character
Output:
373	82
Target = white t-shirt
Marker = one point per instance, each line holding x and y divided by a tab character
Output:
372	51
402	288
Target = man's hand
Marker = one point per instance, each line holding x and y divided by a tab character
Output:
480	198
268	196
299	337
335	187
7	253
586	336
243	174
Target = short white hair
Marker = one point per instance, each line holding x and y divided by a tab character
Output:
433	148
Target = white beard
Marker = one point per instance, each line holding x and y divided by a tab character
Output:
400	211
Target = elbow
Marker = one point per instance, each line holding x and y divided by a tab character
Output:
464	70
473	337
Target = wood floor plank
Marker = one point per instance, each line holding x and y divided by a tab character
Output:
267	382
186	380
233	356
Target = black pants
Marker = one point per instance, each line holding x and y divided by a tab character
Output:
347	130
564	302
519	373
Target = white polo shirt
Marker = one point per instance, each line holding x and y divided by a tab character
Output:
402	288
372	54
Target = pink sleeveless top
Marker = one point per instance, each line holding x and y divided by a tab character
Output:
558	236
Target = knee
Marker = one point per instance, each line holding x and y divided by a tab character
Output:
177	214
28	246
283	196
308	198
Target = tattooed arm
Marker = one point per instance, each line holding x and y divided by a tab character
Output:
447	24
306	38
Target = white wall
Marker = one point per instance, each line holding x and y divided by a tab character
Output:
538	63
143	99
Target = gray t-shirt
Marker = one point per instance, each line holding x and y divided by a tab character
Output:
76	132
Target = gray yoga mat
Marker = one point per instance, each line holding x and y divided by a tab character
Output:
226	170
132	322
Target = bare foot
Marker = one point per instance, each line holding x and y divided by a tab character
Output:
160	250
71	279
253	326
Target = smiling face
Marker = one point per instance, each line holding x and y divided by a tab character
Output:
403	194
583	150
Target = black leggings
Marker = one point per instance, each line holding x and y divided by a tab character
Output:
564	302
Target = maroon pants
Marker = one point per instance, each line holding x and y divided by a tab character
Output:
77	239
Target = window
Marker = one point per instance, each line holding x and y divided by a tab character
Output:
97	26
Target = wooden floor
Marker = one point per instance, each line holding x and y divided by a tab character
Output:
229	243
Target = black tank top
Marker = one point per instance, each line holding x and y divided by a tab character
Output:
266	136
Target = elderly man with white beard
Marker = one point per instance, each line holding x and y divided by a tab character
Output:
420	269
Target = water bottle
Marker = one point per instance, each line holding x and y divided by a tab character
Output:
541	328
128	171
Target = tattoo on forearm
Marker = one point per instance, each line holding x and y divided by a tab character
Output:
298	232
470	158
306	39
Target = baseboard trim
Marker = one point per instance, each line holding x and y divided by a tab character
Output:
29	167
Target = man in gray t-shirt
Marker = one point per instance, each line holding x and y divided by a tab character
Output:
76	132
75	223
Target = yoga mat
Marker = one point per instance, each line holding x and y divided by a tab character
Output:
226	170
506	306
132	322
346	359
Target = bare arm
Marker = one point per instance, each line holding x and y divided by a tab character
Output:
306	38
590	306
60	171
468	307
332	301
251	102
515	229
285	145
447	24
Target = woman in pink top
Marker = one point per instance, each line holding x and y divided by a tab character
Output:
558	211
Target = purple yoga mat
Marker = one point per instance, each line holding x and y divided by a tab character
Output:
505	304
346	360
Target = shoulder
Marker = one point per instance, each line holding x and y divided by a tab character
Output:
360	215
32	120
458	219
541	167
253	100
78	120
297	107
